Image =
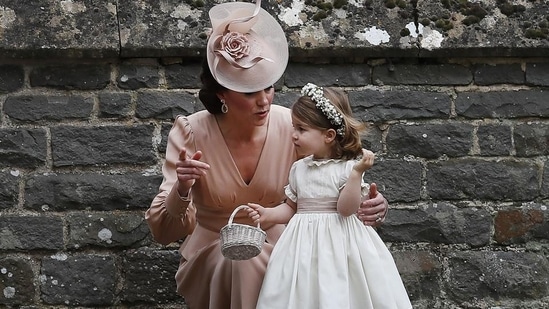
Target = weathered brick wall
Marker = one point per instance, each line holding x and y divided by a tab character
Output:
461	142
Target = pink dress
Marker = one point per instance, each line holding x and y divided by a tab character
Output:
205	278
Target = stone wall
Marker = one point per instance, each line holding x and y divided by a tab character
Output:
456	94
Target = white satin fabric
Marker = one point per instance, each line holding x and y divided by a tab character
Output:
325	260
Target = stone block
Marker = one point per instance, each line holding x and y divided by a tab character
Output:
114	104
474	179
35	108
531	139
149	277
59	29
125	230
16	282
425	74
516	226
87	280
165	105
73	145
420	271
481	276
503	104
380	106
442	222
22	148
71	77
9	189
23	233
89	191
491	74
452	139
12	77
494	140
399	180
327	75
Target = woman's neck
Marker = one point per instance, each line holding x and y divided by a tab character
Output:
233	129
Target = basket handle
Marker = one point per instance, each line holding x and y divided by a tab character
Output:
236	210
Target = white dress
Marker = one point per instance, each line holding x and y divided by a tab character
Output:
325	260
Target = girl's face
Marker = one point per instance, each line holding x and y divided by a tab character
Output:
312	141
249	107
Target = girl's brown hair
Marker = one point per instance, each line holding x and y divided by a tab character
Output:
348	146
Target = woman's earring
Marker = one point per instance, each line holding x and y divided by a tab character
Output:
224	107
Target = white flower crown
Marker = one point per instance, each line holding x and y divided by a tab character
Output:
323	104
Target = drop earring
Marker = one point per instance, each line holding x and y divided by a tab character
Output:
224	107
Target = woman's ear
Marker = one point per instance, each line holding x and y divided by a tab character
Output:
329	136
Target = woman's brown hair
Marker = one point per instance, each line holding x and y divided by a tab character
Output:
209	90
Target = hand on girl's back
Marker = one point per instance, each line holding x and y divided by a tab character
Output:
365	162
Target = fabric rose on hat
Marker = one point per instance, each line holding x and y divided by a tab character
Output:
235	44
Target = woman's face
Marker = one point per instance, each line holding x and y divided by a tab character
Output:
249	107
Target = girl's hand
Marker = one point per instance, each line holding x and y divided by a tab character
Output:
255	212
189	169
372	211
366	162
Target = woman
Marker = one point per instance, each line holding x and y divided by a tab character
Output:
239	151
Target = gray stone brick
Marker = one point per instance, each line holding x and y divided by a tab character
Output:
497	275
545	181
23	148
398	180
415	74
421	272
149	277
165	105
118	230
485	180
137	76
494	140
503	104
183	75
81	77
100	192
537	74
164	132
32	108
79	280
12	78
382	106
9	189
430	140
327	75
372	139
102	145
531	139
17	282
30	233
438	223
115	104
488	74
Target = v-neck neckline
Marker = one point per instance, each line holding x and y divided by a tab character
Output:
230	155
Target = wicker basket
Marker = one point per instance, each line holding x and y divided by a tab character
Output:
241	241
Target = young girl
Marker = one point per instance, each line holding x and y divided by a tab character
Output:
326	258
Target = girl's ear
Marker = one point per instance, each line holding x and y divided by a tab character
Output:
329	135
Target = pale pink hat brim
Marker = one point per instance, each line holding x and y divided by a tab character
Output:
267	40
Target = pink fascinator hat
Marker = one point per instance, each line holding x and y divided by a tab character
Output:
247	50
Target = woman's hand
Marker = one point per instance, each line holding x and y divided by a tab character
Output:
189	169
373	210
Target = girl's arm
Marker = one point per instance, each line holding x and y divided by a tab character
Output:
350	196
280	214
